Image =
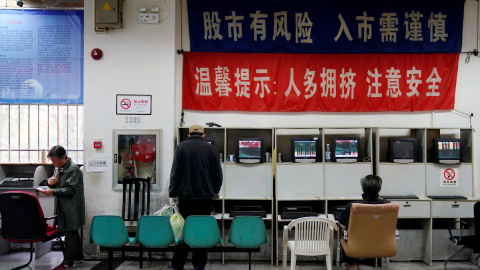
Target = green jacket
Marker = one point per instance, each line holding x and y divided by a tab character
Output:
70	197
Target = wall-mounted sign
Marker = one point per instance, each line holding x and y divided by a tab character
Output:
276	82
97	164
449	178
326	26
134	104
41	56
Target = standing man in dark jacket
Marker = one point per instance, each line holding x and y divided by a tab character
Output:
195	179
371	186
67	186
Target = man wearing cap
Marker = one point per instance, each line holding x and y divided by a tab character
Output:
195	179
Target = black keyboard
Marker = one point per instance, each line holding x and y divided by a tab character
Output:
262	214
393	197
450	197
18	183
295	215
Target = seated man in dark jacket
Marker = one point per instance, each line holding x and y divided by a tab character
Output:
371	185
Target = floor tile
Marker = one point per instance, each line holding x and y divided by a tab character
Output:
52	259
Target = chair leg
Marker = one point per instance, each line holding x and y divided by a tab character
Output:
140	257
110	260
249	260
284	258
29	261
337	265
328	261
293	261
387	262
451	257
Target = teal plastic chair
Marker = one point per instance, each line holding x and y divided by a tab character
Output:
248	232
154	232
109	231
201	232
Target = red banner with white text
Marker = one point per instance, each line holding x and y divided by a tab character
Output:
319	82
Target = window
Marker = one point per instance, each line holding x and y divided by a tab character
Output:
26	130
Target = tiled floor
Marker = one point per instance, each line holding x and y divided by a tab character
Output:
52	259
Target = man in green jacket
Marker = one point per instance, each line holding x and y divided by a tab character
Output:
67	186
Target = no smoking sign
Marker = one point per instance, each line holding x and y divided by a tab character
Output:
134	104
125	103
449	178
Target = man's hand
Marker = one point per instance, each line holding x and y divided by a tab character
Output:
216	196
174	201
52	181
47	191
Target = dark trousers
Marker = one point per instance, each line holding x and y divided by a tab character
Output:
189	207
73	247
346	258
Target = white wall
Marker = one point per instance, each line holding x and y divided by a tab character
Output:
138	59
142	59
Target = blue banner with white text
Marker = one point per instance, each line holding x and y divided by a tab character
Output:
326	26
41	56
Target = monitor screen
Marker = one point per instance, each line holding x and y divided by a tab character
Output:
447	150
249	150
304	149
402	150
209	140
345	149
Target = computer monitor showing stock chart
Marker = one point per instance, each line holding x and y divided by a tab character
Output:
345	149
305	149
249	150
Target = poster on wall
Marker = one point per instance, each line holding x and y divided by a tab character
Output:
326	26
41	56
319	82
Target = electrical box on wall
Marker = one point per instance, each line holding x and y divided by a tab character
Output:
108	15
148	17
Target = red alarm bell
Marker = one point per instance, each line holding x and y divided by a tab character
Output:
97	53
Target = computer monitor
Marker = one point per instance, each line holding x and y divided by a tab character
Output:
447	151
345	149
305	149
249	150
402	150
209	140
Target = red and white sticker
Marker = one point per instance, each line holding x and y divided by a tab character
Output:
449	178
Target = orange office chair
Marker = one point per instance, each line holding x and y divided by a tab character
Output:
372	231
23	220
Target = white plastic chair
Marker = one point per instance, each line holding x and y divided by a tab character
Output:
313	237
